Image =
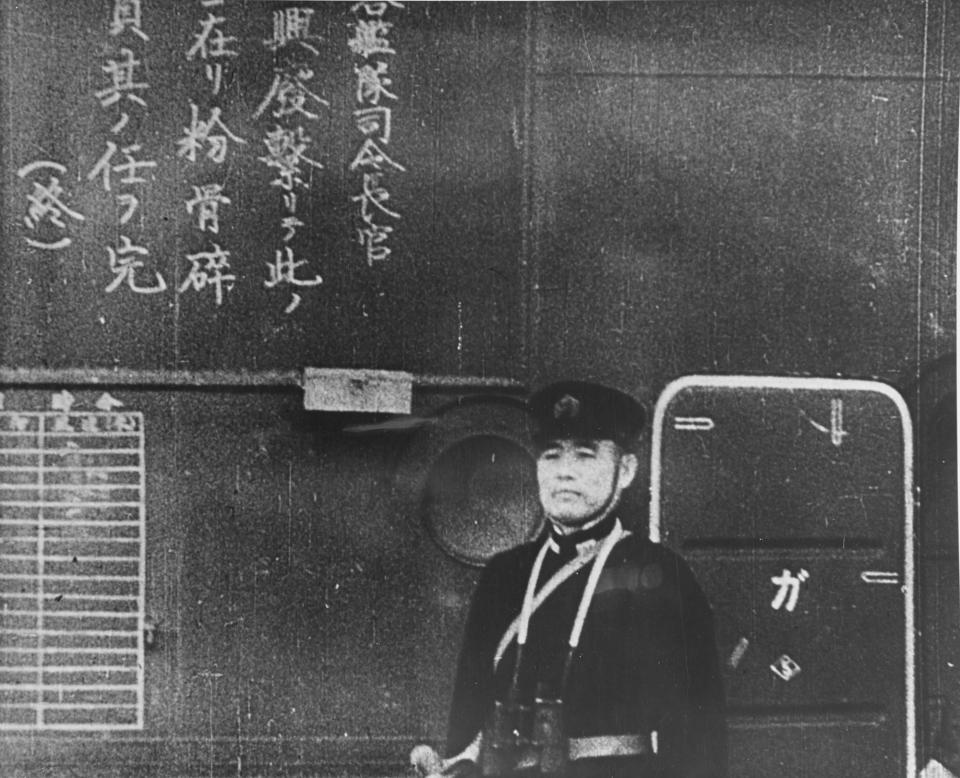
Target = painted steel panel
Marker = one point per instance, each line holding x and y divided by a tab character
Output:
792	500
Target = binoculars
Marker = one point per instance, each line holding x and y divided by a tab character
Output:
521	737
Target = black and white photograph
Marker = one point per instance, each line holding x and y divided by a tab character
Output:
447	389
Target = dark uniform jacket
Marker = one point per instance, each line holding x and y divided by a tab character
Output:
647	658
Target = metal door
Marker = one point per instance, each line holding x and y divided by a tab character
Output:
791	498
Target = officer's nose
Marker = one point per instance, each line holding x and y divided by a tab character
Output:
565	465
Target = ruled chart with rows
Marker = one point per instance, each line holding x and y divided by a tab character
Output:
72	551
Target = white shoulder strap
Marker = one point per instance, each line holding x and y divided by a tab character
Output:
554	582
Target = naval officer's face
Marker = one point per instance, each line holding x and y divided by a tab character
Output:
579	478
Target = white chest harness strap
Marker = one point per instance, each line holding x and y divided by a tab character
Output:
520	626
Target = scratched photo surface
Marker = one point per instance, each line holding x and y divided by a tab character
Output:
275	279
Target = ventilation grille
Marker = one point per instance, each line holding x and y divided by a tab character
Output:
71	570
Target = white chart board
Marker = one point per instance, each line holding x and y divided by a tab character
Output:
72	552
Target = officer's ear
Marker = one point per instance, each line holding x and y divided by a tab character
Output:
629	463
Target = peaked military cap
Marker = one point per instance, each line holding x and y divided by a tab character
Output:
584	410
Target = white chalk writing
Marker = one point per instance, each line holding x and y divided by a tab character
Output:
46	205
292	25
286	151
124	84
374	121
785	668
106	402
372	83
206	201
789	589
207	269
373	197
127	16
200	132
130	167
291	101
211	44
284	270
373	238
290	92
836	431
125	261
369	37
123	163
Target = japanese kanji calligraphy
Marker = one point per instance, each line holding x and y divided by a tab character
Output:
293	105
123	168
260	91
375	100
205	144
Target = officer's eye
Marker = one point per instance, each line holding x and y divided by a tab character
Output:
550	454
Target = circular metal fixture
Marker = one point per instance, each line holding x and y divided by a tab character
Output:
469	477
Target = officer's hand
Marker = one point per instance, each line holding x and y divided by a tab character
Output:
426	762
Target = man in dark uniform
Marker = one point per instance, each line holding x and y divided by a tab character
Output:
591	651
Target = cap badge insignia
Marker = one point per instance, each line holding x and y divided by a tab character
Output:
566	407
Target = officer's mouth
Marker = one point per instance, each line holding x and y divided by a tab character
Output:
566	494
